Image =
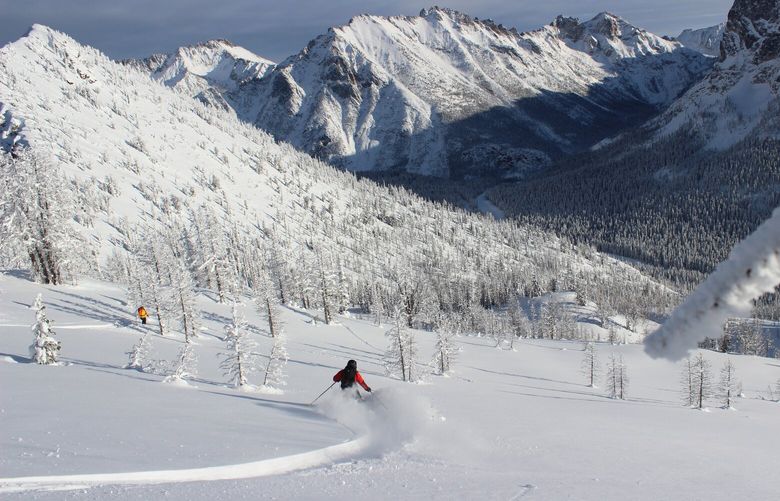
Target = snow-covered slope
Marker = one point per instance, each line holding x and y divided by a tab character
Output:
506	424
142	153
705	40
446	94
207	70
740	96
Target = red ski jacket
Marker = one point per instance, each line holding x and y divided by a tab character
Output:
358	379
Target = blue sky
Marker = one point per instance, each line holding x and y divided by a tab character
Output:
278	28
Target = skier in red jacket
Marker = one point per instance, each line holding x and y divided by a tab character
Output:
349	375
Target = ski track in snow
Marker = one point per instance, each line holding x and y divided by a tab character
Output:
275	466
361	339
67	327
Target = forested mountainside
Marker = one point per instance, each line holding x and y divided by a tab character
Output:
679	192
168	191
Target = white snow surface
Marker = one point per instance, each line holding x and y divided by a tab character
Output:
504	425
108	123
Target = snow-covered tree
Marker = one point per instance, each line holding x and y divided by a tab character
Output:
518	321
239	360
688	382
702	367
328	285
266	300
342	296
182	298
377	305
152	259
401	352
729	386
212	253
590	364
36	217
185	365
445	351
277	360
617	377
139	355
697	381
45	348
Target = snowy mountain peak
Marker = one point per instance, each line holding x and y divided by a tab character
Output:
704	40
206	70
608	35
437	93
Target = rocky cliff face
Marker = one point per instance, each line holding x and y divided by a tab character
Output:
739	98
754	26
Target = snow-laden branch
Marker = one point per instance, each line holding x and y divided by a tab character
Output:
752	269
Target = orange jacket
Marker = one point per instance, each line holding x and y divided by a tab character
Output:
142	312
358	379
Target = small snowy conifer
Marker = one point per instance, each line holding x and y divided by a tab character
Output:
239	359
45	348
185	365
139	355
445	351
277	360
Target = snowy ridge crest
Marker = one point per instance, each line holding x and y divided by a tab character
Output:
415	93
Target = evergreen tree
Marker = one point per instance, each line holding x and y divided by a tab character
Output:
617	377
729	386
45	348
400	356
239	359
139	355
182	298
445	351
185	365
36	218
590	364
267	301
688	381
277	360
702	381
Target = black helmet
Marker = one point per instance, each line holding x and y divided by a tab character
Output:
352	365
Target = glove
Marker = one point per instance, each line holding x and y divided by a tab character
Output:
368	390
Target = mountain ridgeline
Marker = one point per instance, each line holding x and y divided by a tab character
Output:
448	95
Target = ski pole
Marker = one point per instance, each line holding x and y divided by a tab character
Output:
324	392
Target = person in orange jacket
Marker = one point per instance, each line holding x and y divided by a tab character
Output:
142	314
349	375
